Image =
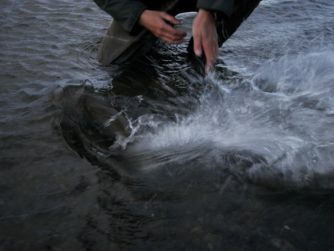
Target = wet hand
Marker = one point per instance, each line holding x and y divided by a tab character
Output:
161	25
205	37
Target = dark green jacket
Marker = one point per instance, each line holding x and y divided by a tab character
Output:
127	12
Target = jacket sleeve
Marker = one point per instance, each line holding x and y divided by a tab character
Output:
224	6
126	12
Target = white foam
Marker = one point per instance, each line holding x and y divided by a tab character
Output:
281	115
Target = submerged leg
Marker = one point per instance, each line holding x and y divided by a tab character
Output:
118	46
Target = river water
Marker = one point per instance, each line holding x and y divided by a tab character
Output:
153	155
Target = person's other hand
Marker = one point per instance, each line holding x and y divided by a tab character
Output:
161	25
205	37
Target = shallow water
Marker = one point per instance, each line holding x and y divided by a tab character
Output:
154	155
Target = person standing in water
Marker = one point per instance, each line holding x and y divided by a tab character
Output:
137	23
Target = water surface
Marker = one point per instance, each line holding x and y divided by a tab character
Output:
155	156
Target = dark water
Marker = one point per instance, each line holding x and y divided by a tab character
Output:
155	156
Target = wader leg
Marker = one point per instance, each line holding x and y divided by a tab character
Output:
118	46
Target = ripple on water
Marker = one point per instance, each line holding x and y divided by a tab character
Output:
176	160
261	129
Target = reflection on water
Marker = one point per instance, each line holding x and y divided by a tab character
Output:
153	155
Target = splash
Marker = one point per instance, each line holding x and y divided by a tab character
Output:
280	121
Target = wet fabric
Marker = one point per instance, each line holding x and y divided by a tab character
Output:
127	12
119	44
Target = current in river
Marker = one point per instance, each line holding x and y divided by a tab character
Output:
155	155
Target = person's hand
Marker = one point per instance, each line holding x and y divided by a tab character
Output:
205	37
161	25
